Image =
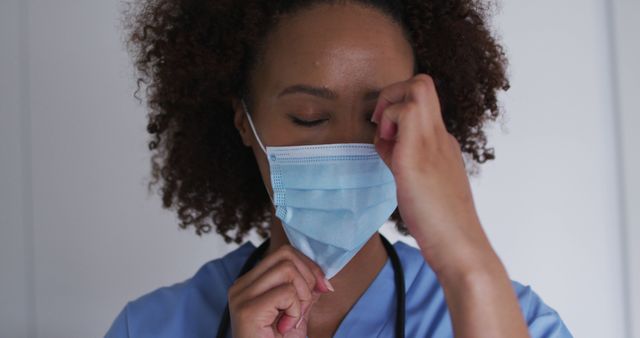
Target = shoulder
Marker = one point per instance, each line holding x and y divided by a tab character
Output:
172	311
425	299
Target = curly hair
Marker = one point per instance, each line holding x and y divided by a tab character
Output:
193	56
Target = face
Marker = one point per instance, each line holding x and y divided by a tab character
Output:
320	77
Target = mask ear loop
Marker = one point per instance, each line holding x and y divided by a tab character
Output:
253	128
244	107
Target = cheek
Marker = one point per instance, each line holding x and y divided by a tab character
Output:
263	166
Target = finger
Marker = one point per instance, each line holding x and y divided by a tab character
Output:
390	120
310	270
283	299
389	95
287	323
399	92
285	272
420	89
322	284
300	328
404	121
424	90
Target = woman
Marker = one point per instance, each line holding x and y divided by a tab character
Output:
313	122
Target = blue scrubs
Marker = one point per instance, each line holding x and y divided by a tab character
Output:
194	307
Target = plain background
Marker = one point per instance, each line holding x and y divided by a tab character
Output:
79	236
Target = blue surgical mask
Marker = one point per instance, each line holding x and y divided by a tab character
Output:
330	198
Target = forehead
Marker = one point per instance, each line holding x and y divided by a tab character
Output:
335	45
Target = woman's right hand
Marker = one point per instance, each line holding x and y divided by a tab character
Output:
273	298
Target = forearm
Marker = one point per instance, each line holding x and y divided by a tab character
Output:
479	294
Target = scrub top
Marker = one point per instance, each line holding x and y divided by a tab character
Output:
194	307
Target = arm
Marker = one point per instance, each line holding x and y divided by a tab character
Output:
480	297
436	204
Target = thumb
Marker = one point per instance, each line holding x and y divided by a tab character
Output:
385	149
292	327
296	327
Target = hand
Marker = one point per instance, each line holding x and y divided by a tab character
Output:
433	191
273	299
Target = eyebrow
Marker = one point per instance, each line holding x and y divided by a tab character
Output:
323	92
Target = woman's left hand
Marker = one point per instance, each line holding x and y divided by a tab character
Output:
433	191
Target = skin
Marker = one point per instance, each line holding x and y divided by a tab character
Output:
354	50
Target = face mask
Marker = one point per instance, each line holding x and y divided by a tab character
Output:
330	198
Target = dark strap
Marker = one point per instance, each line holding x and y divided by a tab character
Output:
399	279
398	274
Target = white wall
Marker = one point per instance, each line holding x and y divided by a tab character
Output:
79	236
626	47
15	233
550	200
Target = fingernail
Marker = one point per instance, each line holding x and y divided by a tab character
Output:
299	321
328	284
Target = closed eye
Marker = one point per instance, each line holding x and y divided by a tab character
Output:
306	123
313	123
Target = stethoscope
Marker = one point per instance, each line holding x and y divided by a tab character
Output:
397	270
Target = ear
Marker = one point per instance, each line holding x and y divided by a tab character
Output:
240	121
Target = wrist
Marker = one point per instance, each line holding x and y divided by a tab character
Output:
479	272
467	257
